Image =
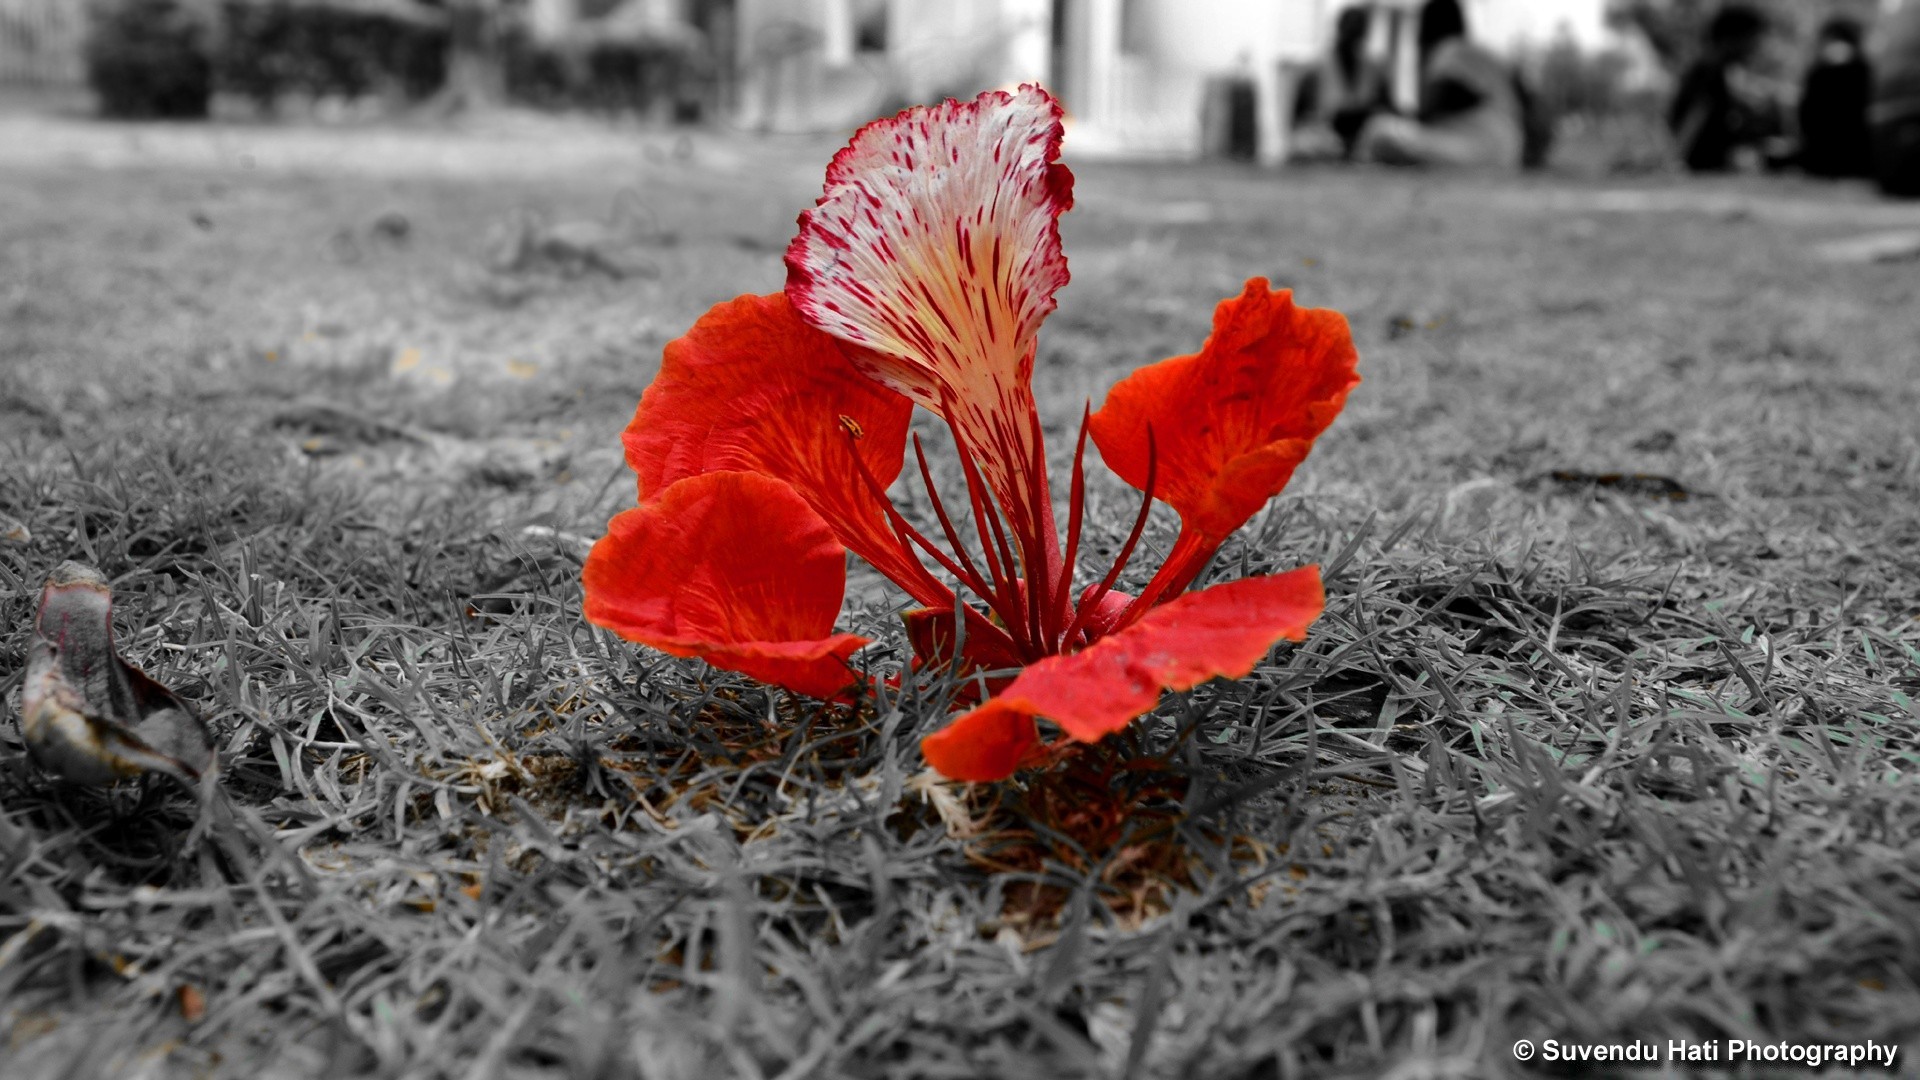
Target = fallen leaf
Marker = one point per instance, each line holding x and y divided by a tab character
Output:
392	226
1647	485
90	716
193	1003
330	426
1892	246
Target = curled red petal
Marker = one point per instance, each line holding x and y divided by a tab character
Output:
1221	631
935	252
989	743
1106	611
985	647
814	668
753	388
734	568
1231	422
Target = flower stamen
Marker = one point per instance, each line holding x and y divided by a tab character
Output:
985	509
1039	560
1091	602
1076	509
909	536
972	579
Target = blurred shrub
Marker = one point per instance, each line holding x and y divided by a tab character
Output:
271	49
1674	29
1606	113
148	59
167	57
1570	81
671	78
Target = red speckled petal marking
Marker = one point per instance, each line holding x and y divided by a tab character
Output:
1220	631
935	251
734	568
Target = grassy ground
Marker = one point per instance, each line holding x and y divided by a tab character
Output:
1572	755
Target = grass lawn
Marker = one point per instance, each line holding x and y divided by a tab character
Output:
1609	731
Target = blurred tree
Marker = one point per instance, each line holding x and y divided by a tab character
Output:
1674	28
1569	80
148	59
270	49
1671	27
476	65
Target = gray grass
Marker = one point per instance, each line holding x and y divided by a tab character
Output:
1568	757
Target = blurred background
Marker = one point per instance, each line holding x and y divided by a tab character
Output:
1597	83
320	321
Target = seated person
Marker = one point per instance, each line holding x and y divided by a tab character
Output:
1471	112
1337	98
1833	104
1895	114
1719	114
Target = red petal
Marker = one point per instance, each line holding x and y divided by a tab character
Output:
1231	423
1218	632
990	743
752	388
935	250
986	648
1100	621
734	568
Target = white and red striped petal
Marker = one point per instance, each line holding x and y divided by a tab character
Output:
936	243
935	252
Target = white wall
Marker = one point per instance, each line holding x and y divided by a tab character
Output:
961	46
1505	23
1213	35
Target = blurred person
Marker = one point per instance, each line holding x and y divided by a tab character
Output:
1340	94
1834	140
1719	115
1471	108
1895	113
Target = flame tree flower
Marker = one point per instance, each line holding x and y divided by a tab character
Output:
767	443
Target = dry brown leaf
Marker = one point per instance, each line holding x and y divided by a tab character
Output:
86	713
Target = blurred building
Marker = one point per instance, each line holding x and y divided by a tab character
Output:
1135	75
1173	78
1169	78
40	42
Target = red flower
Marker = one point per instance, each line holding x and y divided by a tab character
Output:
767	443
